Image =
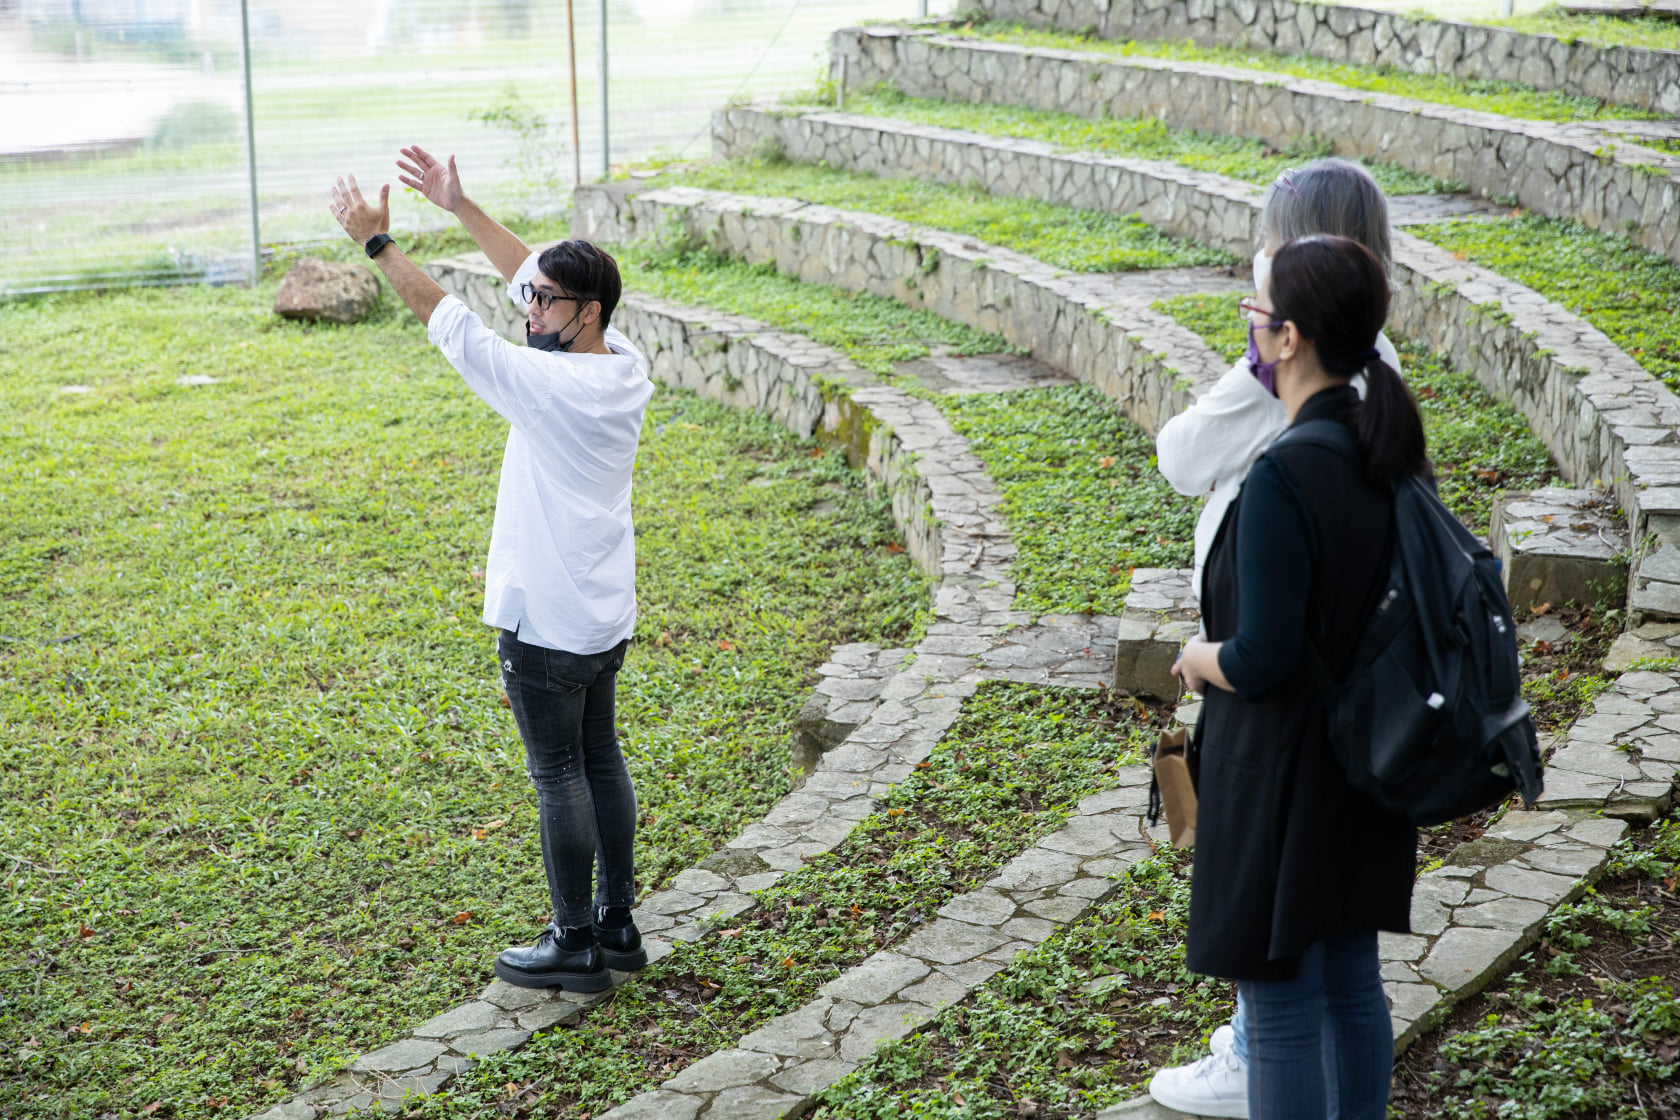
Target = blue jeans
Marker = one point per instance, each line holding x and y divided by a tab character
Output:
586	803
1321	1045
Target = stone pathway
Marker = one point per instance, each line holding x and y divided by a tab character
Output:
1471	917
893	704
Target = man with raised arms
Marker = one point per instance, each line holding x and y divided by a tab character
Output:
560	581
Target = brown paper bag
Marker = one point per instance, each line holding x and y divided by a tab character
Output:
1175	792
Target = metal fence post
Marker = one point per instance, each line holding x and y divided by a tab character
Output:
606	144
250	138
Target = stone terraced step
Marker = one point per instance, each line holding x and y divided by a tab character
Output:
1576	170
1472	916
1098	328
1470	919
1558	545
1603	417
1625	75
942	498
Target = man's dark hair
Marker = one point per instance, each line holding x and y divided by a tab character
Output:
583	272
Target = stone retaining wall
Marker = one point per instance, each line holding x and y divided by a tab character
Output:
1626	75
1080	324
1603	417
1571	170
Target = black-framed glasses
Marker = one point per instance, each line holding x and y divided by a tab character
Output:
545	300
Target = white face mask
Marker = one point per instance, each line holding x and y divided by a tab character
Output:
1262	270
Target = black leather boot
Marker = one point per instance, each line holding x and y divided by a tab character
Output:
548	964
619	939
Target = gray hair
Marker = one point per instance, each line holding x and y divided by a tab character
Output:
1327	196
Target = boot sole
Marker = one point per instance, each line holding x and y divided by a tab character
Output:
566	981
624	962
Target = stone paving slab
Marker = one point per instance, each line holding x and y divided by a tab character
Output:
1574	170
1603	417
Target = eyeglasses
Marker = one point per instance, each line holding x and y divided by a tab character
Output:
545	300
1251	311
1287	178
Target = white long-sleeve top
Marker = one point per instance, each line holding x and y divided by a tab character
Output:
1210	446
562	563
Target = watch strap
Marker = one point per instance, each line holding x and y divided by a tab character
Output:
377	242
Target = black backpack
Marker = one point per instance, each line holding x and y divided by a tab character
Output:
1428	719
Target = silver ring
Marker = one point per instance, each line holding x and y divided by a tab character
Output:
342	209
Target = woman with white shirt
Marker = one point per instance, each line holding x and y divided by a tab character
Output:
1208	449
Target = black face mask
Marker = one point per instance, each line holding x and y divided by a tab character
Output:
553	341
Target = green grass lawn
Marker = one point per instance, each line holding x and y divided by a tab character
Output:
873	331
1629	293
1077	240
1071	1027
262	809
1009	771
1081	495
1507	99
1130	137
1652	34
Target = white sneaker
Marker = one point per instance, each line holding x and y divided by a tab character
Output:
1223	1039
1215	1086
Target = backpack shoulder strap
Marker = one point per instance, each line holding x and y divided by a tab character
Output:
1331	435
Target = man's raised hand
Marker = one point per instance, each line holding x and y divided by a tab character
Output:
360	218
437	181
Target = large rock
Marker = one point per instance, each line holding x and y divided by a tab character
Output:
317	289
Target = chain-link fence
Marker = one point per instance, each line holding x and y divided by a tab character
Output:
123	141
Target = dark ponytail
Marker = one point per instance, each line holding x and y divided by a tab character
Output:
1335	290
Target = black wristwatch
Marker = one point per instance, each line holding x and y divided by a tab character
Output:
377	242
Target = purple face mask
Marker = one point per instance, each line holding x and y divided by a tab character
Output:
1264	372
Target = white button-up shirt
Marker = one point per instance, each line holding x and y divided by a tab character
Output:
562	564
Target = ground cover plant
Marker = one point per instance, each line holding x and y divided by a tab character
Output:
262	809
1629	293
1507	99
1081	495
1585	1024
1479	445
1071	1027
1650	33
1008	771
1132	137
1077	240
873	331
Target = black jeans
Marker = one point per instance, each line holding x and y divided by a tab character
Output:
563	704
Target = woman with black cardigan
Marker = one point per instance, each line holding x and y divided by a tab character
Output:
1295	872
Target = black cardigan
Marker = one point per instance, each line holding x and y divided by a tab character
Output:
1286	852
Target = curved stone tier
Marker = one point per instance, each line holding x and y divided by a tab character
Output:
1638	76
1470	917
1603	417
1581	171
943	502
1098	328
